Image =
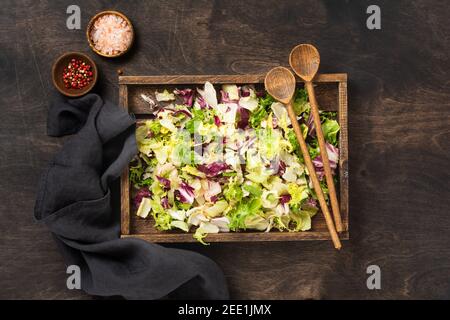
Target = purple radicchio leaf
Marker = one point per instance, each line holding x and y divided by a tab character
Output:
244	115
285	198
260	93
318	165
165	203
185	112
245	91
164	182
281	168
213	169
310	125
217	121
333	157
162	109
212	189
311	203
187	95
224	97
201	102
185	193
142	193
274	122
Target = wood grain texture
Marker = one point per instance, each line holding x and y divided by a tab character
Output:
124	179
399	133
226	78
178	237
343	153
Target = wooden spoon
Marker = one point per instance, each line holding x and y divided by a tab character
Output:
304	60
280	84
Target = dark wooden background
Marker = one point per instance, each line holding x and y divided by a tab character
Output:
399	117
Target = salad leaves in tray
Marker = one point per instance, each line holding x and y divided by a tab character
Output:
227	160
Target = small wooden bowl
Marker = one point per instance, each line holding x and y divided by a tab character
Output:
91	23
58	69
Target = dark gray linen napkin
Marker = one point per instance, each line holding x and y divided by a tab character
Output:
75	201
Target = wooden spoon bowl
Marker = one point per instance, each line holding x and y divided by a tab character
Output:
280	84
305	60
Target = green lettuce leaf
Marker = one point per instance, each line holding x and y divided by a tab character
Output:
301	221
257	116
256	222
198	116
298	193
233	193
301	103
301	217
180	225
136	174
203	230
164	96
260	113
162	218
253	188
292	138
330	130
144	208
217	209
243	210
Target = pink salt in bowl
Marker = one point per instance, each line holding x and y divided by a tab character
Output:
110	34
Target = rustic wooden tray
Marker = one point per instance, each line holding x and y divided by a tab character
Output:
331	91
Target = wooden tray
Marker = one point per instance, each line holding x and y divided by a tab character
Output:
331	91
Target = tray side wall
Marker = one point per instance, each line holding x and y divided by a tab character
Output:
124	181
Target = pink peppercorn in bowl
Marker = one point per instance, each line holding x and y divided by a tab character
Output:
74	74
110	34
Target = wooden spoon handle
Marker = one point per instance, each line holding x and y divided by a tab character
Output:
324	154
314	179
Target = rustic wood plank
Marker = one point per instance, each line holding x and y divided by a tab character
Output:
201	79
238	237
343	154
398	128
124	179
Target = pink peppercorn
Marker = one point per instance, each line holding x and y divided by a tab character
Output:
77	74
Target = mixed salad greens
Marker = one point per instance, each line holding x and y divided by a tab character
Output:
209	164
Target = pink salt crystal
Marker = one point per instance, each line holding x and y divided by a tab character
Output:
111	34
